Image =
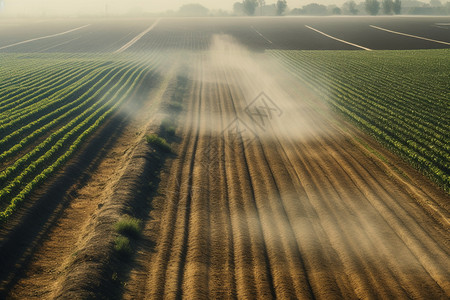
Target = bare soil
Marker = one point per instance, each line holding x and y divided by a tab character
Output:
309	207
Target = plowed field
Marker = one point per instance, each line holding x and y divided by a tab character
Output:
296	209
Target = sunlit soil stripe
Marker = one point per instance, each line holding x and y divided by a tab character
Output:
45	37
339	40
410	35
137	38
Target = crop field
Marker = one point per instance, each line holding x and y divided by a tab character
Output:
48	108
225	158
397	107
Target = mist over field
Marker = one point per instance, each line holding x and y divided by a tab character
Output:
117	7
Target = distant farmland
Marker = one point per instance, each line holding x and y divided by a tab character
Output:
225	158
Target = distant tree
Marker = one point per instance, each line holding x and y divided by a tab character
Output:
193	10
281	7
336	11
250	7
238	8
447	6
388	6
435	3
372	7
270	10
397	7
261	4
315	9
349	7
297	11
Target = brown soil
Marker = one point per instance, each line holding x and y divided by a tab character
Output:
323	214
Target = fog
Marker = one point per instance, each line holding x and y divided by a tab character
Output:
117	7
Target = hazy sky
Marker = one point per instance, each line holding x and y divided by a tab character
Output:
98	6
211	4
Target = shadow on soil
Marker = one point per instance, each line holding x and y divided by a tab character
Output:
141	207
122	265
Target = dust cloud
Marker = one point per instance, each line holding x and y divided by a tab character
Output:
341	225
266	98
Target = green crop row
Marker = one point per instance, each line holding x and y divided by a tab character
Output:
49	96
65	126
65	94
401	98
29	73
79	107
23	97
53	142
56	100
44	79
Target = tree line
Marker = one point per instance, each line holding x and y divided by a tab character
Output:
249	7
371	7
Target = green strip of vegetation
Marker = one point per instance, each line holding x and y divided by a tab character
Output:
129	226
122	246
401	98
129	229
92	93
159	143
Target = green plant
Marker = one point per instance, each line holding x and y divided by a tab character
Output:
122	246
129	226
158	142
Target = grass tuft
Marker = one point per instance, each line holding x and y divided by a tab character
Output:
159	143
122	246
129	226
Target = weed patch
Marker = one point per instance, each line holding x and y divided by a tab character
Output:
159	143
128	226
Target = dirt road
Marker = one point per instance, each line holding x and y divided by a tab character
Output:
277	198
